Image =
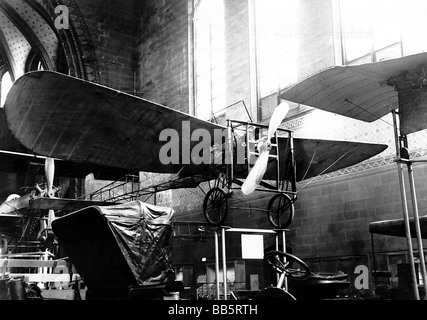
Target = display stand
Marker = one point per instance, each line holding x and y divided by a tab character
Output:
223	230
402	157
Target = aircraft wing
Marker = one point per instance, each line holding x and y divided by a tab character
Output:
69	205
59	116
87	124
14	157
361	92
396	227
314	157
13	161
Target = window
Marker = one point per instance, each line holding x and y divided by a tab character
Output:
33	62
382	29
210	57
277	44
414	26
6	84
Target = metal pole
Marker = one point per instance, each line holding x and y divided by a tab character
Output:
285	282
224	264
405	209
253	61
277	249
417	227
191	58
229	155
217	264
373	261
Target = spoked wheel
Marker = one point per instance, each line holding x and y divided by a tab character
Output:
294	267
280	211
215	206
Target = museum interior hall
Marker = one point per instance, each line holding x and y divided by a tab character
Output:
213	150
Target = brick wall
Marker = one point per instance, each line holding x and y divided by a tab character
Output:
162	53
112	27
237	58
332	218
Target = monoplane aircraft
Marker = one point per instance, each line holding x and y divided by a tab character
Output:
83	123
77	127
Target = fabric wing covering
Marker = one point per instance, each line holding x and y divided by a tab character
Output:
120	246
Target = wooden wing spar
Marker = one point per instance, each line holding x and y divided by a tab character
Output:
58	116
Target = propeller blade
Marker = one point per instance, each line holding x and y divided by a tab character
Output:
257	172
50	173
277	117
49	168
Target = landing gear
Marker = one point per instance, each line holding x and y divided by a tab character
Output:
215	206
280	211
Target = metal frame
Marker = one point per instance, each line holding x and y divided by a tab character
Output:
401	144
245	127
223	230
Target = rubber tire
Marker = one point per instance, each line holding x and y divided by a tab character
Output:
288	221
209	218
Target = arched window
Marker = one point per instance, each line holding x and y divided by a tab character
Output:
277	33
6	84
33	62
382	29
210	57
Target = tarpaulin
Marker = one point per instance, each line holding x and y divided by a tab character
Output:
117	247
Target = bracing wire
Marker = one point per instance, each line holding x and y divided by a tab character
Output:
312	180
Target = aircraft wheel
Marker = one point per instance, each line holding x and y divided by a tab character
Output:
280	211
215	206
294	267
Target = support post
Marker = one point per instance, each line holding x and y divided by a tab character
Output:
285	282
217	264
277	249
417	227
229	155
405	209
224	264
374	263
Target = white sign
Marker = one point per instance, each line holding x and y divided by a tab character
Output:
252	246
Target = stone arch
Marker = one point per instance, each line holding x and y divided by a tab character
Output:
27	30
76	41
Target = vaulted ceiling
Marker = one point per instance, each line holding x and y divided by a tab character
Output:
28	35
